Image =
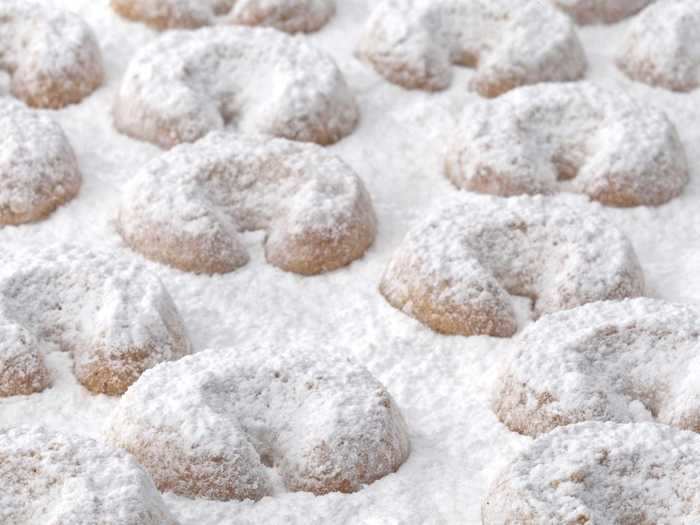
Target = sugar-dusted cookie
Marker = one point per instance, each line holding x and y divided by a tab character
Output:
187	207
292	16
455	270
22	368
661	46
602	473
57	479
257	80
212	424
38	168
570	136
601	11
622	361
116	318
414	43
51	55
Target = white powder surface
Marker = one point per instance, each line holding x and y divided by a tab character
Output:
442	385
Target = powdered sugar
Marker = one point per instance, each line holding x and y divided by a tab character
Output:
414	43
285	15
601	473
618	361
454	271
661	47
208	425
575	136
115	317
56	479
38	169
187	84
198	196
51	54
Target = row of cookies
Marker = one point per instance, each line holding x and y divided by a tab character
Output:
54	59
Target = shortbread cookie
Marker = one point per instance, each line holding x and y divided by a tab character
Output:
22	368
210	425
661	46
292	16
51	55
186	207
601	11
414	43
257	80
51	478
455	271
116	318
38	169
570	136
600	473
620	361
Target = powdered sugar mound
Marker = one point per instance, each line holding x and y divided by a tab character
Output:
454	271
605	11
570	136
414	43
186	207
639	473
286	15
661	47
51	54
620	361
114	316
38	169
58	479
211	424
258	80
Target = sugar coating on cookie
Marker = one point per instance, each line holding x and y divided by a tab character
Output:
38	168
48	477
415	43
660	47
622	361
187	207
256	80
601	11
570	136
455	270
292	16
51	55
634	473
115	318
212	425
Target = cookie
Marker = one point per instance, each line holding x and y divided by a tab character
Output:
52	478
38	168
187	207
256	80
660	46
570	136
22	368
601	11
621	361
116	318
636	473
454	271
212	425
292	16
51	55
415	43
